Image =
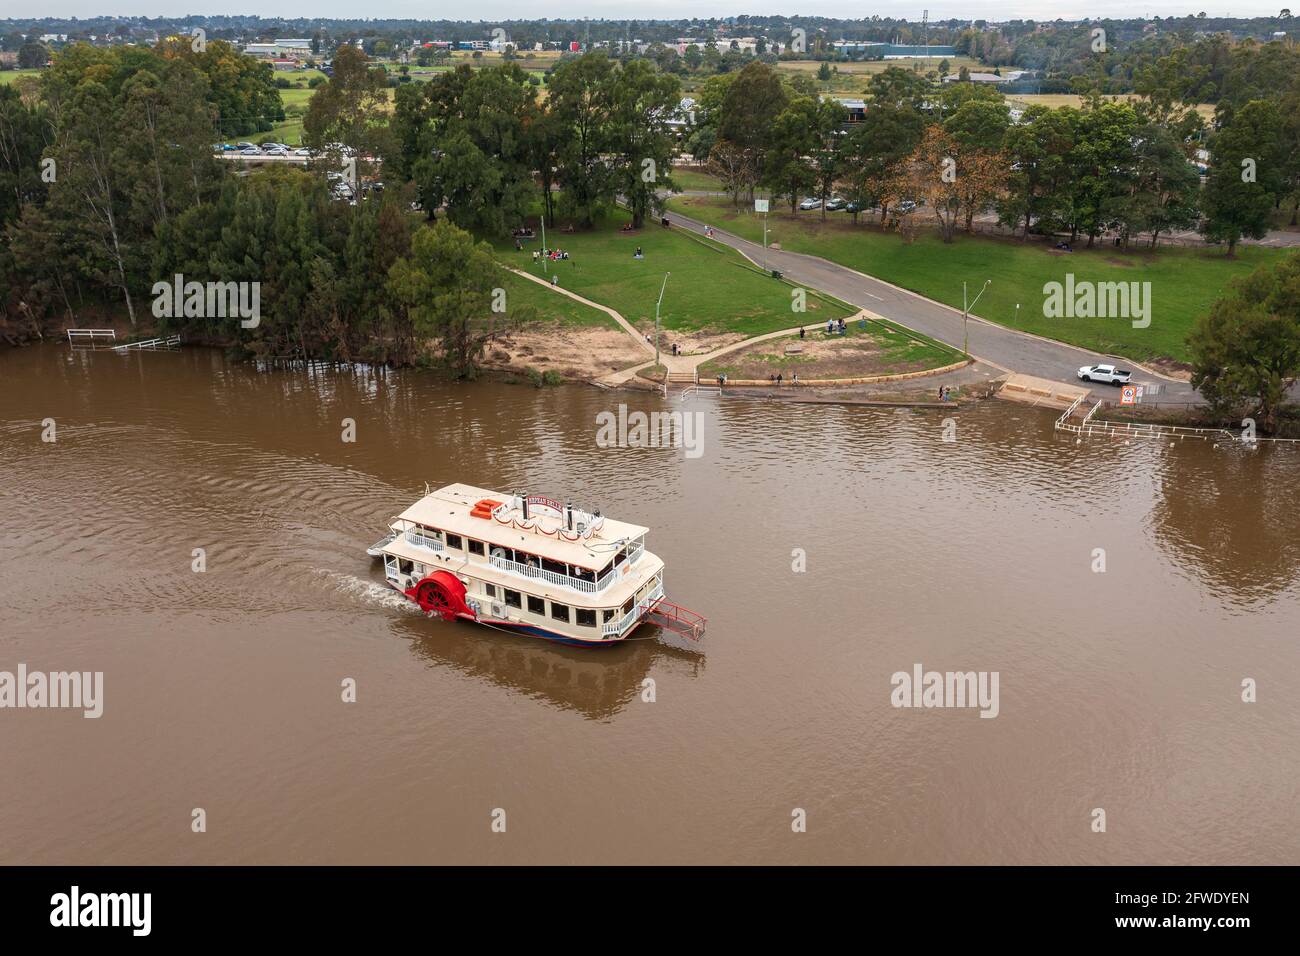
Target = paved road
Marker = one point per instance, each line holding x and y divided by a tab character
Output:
1274	238
1009	349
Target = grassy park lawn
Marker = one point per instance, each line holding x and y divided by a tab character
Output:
711	288
1184	281
11	76
1055	100
696	180
542	305
868	348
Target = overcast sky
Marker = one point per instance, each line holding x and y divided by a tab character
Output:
652	9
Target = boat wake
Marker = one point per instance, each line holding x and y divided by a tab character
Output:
368	592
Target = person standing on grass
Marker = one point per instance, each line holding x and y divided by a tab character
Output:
555	279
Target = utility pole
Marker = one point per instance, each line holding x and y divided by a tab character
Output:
543	218
965	314
657	304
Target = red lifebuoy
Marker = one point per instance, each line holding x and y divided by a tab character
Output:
440	593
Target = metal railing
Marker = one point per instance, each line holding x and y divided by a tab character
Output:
642	608
420	540
552	577
76	336
163	342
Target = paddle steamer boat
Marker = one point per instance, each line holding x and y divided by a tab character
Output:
529	565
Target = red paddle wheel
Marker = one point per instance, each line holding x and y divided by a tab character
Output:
441	593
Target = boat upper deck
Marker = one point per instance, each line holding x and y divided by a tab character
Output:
581	539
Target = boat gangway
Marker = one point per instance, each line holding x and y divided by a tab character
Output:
675	618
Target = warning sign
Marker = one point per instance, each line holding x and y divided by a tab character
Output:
1128	395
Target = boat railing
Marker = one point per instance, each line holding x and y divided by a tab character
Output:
642	608
635	553
552	577
420	540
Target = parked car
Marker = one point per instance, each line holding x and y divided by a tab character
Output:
302	151
811	203
904	206
250	151
1105	373
836	204
277	151
245	146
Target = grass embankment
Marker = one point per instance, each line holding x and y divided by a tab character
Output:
525	298
696	180
711	288
1184	281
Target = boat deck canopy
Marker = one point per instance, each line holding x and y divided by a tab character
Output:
452	510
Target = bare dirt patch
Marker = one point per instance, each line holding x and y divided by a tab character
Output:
1167	366
819	357
576	352
694	342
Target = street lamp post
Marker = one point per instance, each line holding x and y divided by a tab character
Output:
657	304
965	315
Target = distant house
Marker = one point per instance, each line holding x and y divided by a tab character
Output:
857	110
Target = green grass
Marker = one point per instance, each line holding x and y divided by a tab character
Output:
10	76
711	287
542	305
694	179
1184	281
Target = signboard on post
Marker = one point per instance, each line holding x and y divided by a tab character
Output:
760	205
1128	396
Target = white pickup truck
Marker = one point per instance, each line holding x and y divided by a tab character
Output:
1105	373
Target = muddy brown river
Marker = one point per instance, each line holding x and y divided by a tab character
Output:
1118	690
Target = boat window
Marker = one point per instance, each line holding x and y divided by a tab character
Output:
559	611
555	567
507	554
586	617
627	608
512	598
620	557
453	541
475	547
491	590
404	566
536	605
607	615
